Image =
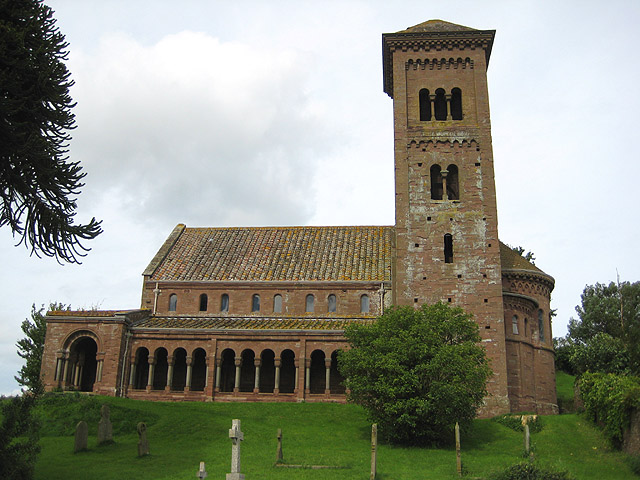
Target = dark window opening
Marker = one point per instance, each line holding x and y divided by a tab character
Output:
332	303
310	303
440	105
456	104
204	300
224	303
425	105
453	189
448	248
173	302
541	325
436	182
255	303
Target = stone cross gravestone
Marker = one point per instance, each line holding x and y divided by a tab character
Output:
202	473
105	429
82	437
236	436
279	457
143	443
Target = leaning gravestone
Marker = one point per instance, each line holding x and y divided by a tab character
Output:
105	430
82	437
143	443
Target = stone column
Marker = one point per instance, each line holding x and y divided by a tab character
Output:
67	368
327	376
170	361
296	363
256	384
132	373
236	385
432	110
444	174
99	372
56	373
307	376
277	362
218	373
152	363
448	102
187	387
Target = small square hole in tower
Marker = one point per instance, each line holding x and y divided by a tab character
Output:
449	299
415	300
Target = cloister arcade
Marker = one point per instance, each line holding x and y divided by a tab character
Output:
234	371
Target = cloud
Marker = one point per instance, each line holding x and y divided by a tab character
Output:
199	131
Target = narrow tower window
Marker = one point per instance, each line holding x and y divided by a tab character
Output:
425	105
332	303
440	105
204	300
310	303
514	324
277	303
224	303
448	248
456	104
541	325
436	182
364	304
255	303
453	189
173	302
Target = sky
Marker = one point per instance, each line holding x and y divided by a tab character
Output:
249	113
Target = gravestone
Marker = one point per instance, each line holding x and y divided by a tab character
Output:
202	473
143	443
236	436
105	429
527	447
458	456
82	437
374	451
279	457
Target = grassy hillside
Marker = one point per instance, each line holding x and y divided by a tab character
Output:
183	434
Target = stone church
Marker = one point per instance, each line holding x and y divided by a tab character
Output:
257	314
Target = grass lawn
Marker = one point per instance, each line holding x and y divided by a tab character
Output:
564	390
183	434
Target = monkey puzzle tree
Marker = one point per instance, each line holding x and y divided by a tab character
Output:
38	183
417	372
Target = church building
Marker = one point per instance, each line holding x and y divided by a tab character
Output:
258	314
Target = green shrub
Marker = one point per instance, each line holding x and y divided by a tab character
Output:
609	399
530	471
514	422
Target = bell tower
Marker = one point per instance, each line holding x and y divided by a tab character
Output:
447	246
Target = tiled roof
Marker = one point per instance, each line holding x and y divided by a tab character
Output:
437	26
275	254
250	323
511	260
85	313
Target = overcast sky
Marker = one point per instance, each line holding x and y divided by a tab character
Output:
219	113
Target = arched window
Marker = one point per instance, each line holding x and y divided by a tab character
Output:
514	324
453	189
448	248
436	182
204	300
425	105
440	105
526	327
541	325
255	303
332	303
310	303
224	303
456	104
364	304
277	303
173	302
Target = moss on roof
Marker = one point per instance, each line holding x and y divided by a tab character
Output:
250	323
